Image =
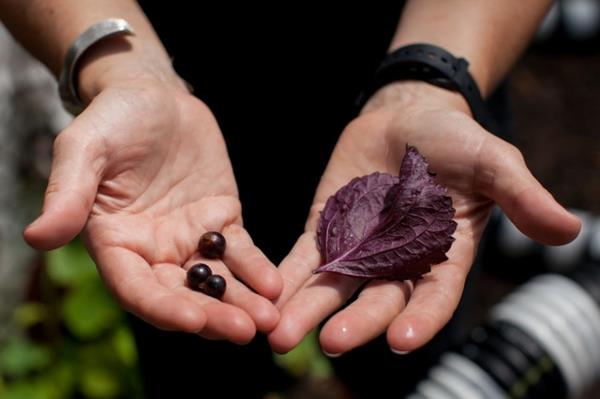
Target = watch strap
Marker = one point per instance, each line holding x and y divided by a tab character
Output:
436	66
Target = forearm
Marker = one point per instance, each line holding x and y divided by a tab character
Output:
47	28
490	34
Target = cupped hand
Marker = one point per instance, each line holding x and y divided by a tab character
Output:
477	167
144	172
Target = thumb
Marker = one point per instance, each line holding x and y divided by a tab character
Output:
74	178
524	200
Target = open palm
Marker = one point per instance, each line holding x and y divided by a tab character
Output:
478	169
145	169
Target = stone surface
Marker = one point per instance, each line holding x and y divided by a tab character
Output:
30	116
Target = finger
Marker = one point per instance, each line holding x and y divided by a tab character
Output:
76	171
435	296
216	212
532	208
306	299
136	287
431	305
263	313
249	264
298	266
210	213
223	320
318	298
365	318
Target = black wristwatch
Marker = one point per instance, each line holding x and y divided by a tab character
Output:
436	66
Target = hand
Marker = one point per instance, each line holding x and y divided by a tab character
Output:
478	169
145	169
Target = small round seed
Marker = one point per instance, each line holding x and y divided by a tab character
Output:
197	275
212	245
214	286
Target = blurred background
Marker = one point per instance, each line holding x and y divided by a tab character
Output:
63	336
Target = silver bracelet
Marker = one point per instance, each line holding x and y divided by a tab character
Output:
67	87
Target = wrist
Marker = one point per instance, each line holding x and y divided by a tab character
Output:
117	60
411	93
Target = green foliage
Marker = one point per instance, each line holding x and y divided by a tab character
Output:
98	382
74	341
306	359
30	313
88	310
124	345
20	356
38	388
70	266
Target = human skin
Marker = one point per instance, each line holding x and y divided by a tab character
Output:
146	182
142	173
478	168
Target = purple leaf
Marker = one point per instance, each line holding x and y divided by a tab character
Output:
382	226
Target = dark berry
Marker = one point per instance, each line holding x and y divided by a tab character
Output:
198	274
212	245
214	286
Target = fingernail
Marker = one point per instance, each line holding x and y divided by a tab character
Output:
398	352
332	355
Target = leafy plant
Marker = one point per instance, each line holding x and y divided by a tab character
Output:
73	340
387	227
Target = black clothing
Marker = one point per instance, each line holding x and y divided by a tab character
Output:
282	83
